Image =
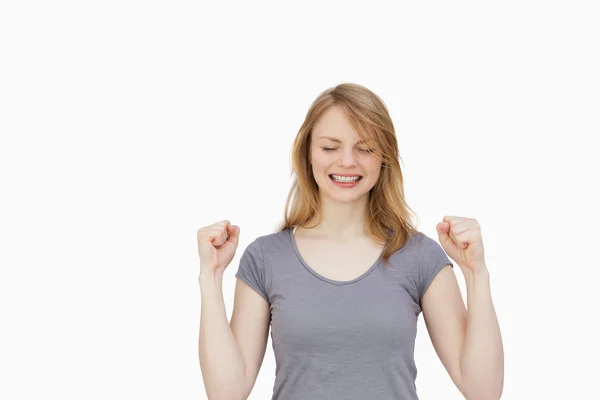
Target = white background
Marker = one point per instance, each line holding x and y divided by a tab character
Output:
128	125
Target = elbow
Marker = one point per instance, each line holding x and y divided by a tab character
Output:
483	394
483	389
234	389
233	393
492	395
226	396
237	395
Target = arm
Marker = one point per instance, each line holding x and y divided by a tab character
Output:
468	341
231	353
221	362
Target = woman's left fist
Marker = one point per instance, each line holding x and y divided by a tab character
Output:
460	238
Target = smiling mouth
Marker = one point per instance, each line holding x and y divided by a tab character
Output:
346	180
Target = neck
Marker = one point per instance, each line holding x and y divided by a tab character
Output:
342	220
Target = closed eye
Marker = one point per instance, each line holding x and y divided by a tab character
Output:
363	150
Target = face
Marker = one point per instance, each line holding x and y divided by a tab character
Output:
335	149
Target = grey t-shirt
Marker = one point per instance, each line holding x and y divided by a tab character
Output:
351	340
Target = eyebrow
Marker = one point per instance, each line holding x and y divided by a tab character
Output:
338	140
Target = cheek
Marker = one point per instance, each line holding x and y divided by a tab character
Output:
373	166
319	162
318	168
374	171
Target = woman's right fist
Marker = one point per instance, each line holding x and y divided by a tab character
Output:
216	246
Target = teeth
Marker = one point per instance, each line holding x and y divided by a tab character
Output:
345	178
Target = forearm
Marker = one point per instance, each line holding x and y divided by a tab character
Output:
482	356
221	362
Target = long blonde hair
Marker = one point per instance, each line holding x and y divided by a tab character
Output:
388	219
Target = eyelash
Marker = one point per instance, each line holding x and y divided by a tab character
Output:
331	149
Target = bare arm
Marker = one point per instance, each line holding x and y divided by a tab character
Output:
231	353
221	362
482	358
468	342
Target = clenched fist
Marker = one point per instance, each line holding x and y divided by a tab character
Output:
216	246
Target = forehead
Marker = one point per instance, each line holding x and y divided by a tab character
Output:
334	125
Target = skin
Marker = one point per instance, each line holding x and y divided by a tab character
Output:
343	208
467	341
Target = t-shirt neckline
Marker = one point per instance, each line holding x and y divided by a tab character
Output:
324	278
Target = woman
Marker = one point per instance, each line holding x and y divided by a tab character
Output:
343	280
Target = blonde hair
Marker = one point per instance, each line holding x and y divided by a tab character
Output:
388	218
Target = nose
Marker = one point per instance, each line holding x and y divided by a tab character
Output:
347	158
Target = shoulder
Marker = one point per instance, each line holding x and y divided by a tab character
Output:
265	249
412	245
424	253
273	241
426	243
431	256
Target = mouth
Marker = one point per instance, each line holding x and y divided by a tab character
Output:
345	179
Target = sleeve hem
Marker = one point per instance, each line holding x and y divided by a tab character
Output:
264	266
419	268
433	275
252	285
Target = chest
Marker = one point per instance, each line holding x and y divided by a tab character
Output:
339	261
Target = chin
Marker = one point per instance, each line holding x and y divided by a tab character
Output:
348	198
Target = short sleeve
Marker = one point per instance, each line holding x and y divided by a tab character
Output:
251	269
432	258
